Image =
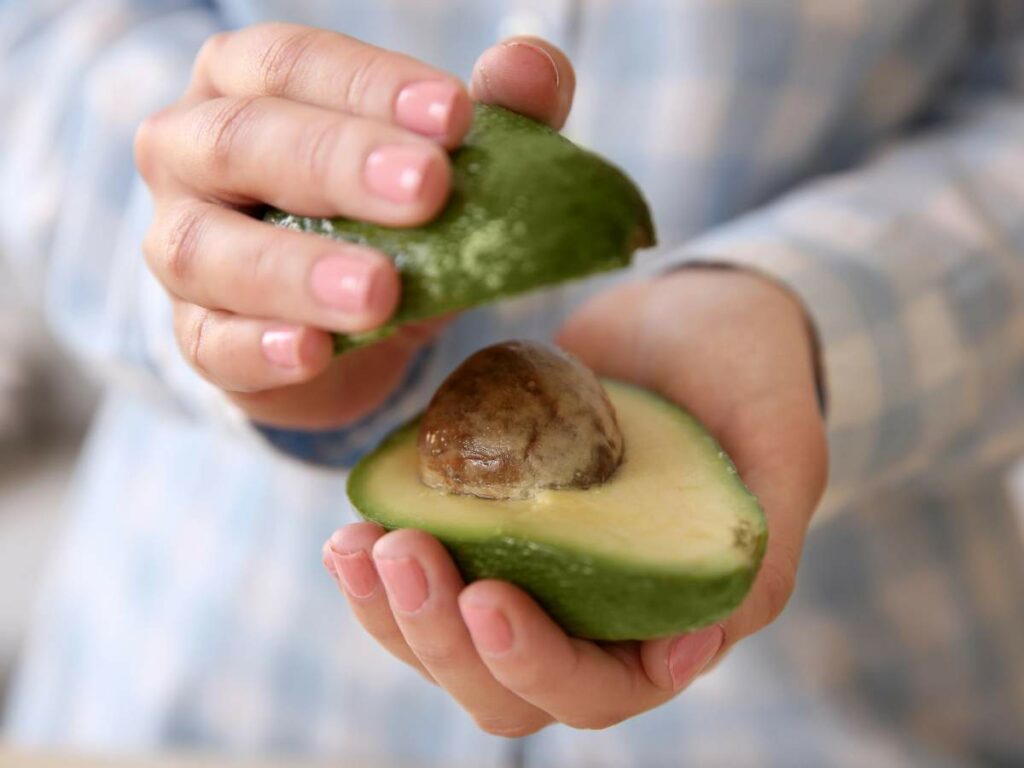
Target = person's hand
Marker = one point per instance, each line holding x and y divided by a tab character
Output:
318	124
734	349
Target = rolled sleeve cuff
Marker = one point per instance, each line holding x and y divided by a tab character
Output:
342	448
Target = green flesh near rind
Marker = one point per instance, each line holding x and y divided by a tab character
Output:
614	562
528	208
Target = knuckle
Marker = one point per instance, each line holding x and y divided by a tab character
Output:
144	145
191	340
318	142
264	274
210	49
151	249
502	725
361	76
282	61
534	679
435	655
220	131
174	261
389	637
593	721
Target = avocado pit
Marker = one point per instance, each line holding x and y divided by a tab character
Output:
516	418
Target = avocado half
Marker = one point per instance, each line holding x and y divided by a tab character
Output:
670	542
527	208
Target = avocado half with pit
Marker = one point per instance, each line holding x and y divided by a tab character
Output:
528	208
614	508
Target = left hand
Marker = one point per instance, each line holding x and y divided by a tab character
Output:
735	350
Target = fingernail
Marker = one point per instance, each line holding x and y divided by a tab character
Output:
540	52
328	560
344	282
355	572
691	653
396	172
491	631
426	107
280	345
405	582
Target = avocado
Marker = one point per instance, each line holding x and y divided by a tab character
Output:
669	541
527	208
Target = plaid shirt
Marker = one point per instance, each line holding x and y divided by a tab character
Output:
868	153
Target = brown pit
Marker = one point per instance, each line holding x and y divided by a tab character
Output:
515	418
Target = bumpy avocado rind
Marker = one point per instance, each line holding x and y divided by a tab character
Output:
528	208
600	592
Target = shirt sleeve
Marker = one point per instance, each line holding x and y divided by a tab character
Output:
76	78
912	271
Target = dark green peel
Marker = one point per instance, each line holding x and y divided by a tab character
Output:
528	208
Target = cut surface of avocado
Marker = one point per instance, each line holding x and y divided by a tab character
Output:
527	208
671	542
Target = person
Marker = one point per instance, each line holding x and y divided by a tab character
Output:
837	188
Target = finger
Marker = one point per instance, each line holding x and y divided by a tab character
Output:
337	72
244	354
351	387
423	584
672	663
346	556
576	681
222	259
526	75
304	159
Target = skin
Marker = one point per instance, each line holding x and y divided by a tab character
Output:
285	115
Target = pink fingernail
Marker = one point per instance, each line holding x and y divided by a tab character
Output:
542	53
326	557
405	582
355	572
491	631
426	107
691	653
396	172
344	282
280	345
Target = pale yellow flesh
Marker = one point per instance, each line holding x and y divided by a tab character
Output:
673	501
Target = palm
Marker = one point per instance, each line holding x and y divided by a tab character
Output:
734	350
731	348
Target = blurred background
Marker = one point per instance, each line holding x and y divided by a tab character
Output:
45	403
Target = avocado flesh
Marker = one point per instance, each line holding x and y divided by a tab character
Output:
670	543
528	208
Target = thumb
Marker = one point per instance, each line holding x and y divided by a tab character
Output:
527	75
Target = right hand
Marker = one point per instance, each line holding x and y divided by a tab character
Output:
318	124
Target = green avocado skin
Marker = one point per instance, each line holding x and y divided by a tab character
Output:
527	208
594	597
601	600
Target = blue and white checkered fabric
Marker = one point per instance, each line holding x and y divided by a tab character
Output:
868	153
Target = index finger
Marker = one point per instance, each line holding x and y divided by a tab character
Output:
334	71
577	681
